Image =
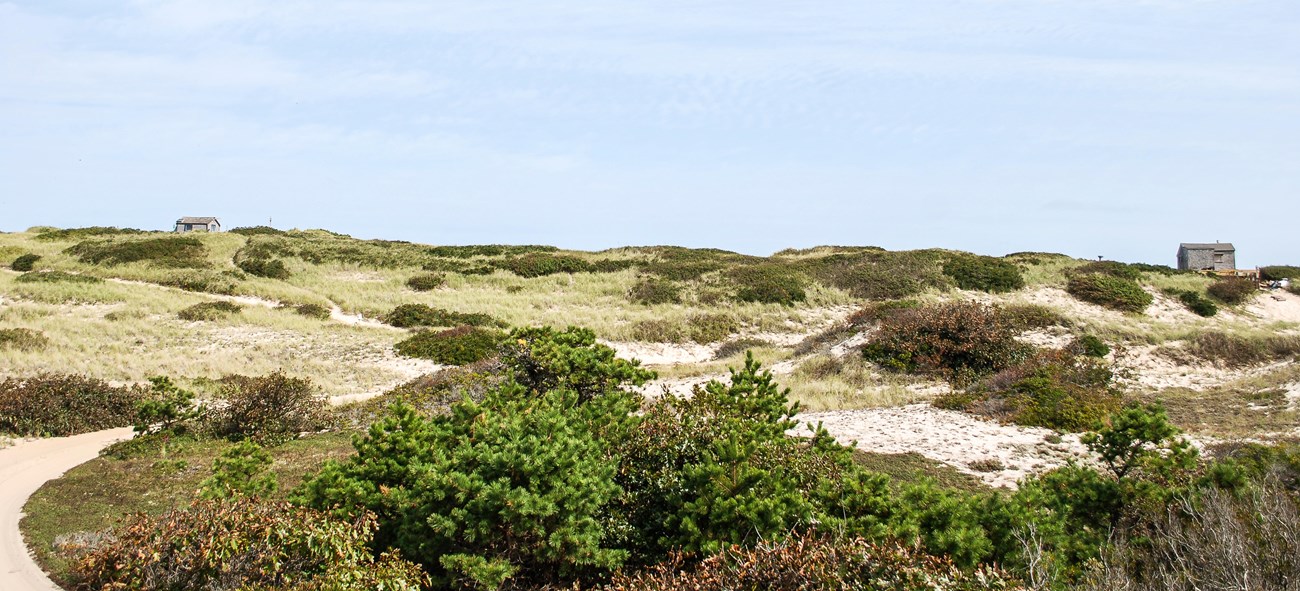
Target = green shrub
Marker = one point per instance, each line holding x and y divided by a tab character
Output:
1109	291
1233	291
1194	301
25	262
240	470
487	250
269	409
166	410
768	284
427	281
539	264
64	404
257	231
543	359
984	273
877	311
649	291
22	339
711	328
739	346
209	311
457	346
56	277
316	311
417	315
675	263
1111	268
958	341
1279	272
1157	269
657	330
202	282
69	234
881	275
1053	389
432	394
1090	346
1031	316
244	543
171	251
264	267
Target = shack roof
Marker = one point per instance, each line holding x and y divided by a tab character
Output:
1215	246
196	220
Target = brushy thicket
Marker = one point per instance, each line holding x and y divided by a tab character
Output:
983	273
181	252
1238	351
1024	317
1194	301
875	274
542	264
427	281
674	263
487	250
768	284
64	404
813	563
56	277
244	543
1233	290
1111	268
1055	389
457	346
650	290
958	341
706	329
1279	272
209	311
418	315
22	339
316	311
257	231
430	394
70	234
266	267
269	409
1111	291
25	262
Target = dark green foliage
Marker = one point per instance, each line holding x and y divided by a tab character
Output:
544	359
540	264
22	339
208	311
812	563
1157	269
881	275
427	281
486	250
1090	346
171	251
457	346
240	470
1111	268
433	394
257	231
650	290
983	273
64	404
25	262
958	341
675	263
768	284
1198	304
1054	389
1279	272
1233	290
56	277
316	311
269	409
70	234
244	543
1110	291
417	315
264	267
168	409
711	328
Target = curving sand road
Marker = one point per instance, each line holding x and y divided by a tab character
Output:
24	467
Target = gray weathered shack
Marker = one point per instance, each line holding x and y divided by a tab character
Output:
198	224
1217	256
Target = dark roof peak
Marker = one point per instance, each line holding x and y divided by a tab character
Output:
1207	246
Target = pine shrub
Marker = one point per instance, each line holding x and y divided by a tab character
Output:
209	311
426	282
64	404
1233	291
240	470
1109	291
25	262
984	273
457	346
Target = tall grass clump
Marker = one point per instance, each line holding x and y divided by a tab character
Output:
64	404
22	339
983	273
56	277
1110	291
25	262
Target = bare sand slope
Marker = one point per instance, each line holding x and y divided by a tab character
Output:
24	467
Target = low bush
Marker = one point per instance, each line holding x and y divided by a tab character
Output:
812	563
487	250
170	251
1089	346
768	284
1238	351
205	282
1199	305
687	264
269	409
457	346
56	277
984	273
1109	291
264	267
541	264
1031	316
25	262
22	339
418	315
1233	291
1054	389
877	311
426	282
209	311
650	290
432	394
958	341
657	330
739	346
64	404
1157	269
316	311
244	543
240	470
881	275
1279	272
1111	268
711	328
69	234
257	231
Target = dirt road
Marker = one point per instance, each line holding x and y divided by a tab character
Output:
24	467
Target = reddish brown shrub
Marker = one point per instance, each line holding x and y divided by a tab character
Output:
959	341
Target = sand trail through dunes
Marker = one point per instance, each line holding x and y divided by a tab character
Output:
24	467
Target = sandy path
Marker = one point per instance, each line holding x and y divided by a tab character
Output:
24	467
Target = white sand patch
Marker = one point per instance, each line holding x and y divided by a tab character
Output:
651	354
954	438
358	277
851	344
780	339
338	315
1053	338
1156	367
684	387
1070	307
1292	395
1276	306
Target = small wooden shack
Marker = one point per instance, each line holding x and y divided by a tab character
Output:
1217	256
198	224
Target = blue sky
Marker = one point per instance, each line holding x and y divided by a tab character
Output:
1116	128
